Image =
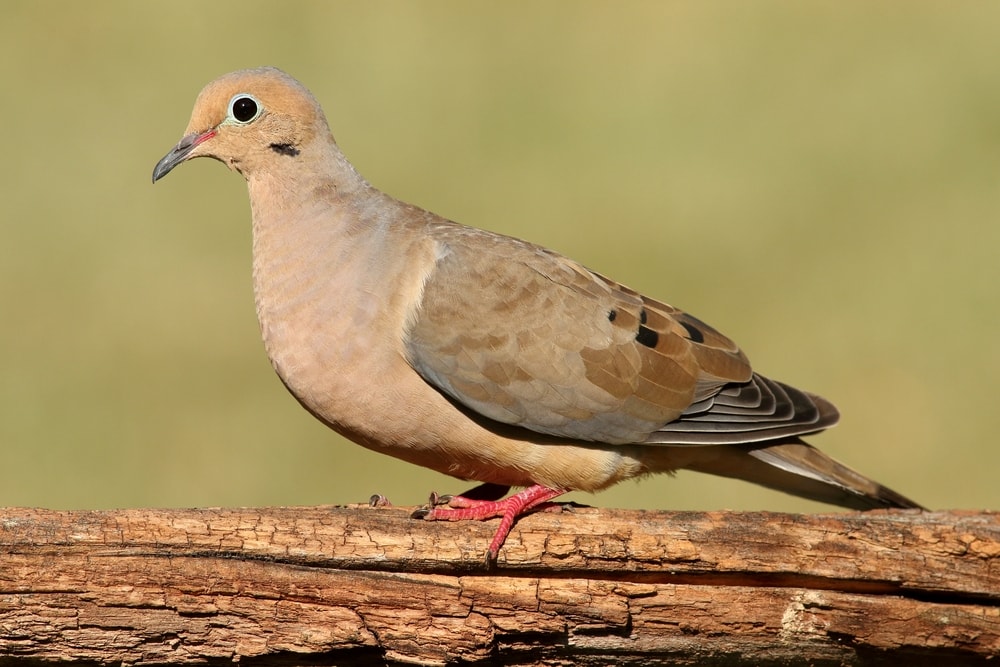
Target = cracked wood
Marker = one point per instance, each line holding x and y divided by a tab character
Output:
337	585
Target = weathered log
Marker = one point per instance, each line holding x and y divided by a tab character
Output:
336	585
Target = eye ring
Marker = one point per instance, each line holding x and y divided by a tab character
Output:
244	108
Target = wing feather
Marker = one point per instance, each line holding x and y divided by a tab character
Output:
527	337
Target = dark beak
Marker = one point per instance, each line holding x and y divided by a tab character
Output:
179	153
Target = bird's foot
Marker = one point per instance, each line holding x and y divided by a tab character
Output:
469	507
486	491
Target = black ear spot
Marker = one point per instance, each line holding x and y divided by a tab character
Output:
285	149
612	314
694	333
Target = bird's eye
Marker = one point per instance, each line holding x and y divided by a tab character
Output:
243	108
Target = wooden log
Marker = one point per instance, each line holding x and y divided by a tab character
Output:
357	585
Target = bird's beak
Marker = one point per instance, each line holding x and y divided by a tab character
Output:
179	153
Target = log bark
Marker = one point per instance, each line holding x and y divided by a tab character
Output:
358	585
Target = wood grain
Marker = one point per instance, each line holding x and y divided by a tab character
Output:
358	585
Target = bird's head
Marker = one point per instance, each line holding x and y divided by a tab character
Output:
245	119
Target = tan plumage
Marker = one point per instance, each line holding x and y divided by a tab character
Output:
479	355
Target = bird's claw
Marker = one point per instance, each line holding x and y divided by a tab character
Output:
422	512
438	500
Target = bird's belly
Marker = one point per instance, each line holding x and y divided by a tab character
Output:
387	407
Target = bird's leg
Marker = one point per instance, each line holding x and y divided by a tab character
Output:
461	508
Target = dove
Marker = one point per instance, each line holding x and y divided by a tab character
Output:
483	356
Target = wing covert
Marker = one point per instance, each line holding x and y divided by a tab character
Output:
527	337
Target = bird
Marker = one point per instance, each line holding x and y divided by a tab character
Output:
479	355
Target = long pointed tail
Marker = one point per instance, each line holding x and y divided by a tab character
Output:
795	467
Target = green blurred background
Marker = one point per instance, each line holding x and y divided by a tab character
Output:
817	180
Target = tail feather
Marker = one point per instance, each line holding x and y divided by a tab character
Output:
795	467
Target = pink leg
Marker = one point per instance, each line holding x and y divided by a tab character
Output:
509	509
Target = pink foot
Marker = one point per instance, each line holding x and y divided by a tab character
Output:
462	508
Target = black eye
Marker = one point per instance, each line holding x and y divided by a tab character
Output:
244	108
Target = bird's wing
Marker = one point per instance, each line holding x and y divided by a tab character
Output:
527	337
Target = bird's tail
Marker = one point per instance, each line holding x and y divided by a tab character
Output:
795	467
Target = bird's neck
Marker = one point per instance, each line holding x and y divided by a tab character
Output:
307	231
326	273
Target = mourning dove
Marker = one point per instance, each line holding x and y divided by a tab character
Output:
479	355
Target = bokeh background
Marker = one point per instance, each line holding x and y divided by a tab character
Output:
820	181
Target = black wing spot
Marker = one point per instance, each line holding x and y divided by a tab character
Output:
612	314
285	149
694	333
647	336
642	316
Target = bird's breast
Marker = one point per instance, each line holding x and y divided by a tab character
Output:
332	307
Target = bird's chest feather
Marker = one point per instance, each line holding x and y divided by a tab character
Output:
332	308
